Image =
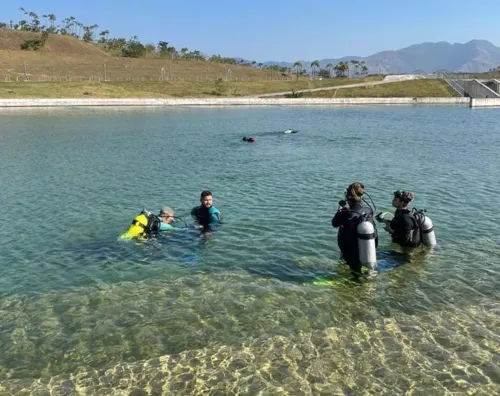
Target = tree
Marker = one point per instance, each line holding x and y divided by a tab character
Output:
364	68
324	73
104	36
314	65
52	19
298	68
341	69
133	48
330	66
355	65
88	35
35	22
68	26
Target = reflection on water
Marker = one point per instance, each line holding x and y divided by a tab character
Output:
262	305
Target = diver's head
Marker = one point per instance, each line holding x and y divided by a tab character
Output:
402	199
354	193
166	214
206	199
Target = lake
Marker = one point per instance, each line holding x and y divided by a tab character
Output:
84	312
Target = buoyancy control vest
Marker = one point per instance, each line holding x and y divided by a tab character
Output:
413	237
145	223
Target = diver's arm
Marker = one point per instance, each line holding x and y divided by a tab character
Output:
168	227
215	219
339	218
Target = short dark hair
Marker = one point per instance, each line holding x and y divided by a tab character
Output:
205	193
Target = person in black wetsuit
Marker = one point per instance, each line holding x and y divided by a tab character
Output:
403	227
346	220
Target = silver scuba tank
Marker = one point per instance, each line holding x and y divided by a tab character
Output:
366	244
428	234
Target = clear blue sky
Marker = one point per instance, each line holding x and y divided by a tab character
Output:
280	30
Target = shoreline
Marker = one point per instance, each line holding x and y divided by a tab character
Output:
131	102
244	101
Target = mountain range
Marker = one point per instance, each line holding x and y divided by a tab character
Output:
473	56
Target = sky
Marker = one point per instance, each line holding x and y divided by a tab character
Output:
280	30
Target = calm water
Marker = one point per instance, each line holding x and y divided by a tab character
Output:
81	311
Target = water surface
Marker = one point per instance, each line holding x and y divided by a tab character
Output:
238	311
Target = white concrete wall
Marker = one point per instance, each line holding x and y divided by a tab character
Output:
12	103
484	102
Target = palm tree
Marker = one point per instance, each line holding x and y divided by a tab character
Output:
34	21
364	68
354	68
104	35
298	67
344	67
330	66
314	65
52	19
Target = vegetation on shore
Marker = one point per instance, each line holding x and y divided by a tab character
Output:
413	88
176	89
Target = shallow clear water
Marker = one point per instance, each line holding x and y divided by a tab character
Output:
237	311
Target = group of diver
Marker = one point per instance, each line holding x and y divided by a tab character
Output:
357	236
206	216
357	233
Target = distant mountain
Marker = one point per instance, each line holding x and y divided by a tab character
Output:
473	56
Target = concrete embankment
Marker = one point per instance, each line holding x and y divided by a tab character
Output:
13	103
485	102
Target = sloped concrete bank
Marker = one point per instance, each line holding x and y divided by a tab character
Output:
13	103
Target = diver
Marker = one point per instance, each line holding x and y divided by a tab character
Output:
147	223
206	215
349	215
249	139
403	227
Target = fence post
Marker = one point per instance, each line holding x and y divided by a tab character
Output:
25	71
104	68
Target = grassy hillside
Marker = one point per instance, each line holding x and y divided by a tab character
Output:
64	58
413	88
134	89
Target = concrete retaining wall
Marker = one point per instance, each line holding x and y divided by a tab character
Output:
231	102
484	102
476	89
495	86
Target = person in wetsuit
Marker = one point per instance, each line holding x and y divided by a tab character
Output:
146	224
346	220
403	227
206	215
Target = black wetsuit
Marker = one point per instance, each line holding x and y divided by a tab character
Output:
405	227
347	221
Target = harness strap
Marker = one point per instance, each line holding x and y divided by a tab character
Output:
139	224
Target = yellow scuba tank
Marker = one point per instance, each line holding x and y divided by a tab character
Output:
139	226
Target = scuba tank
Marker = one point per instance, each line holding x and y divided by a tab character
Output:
428	236
143	224
366	244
